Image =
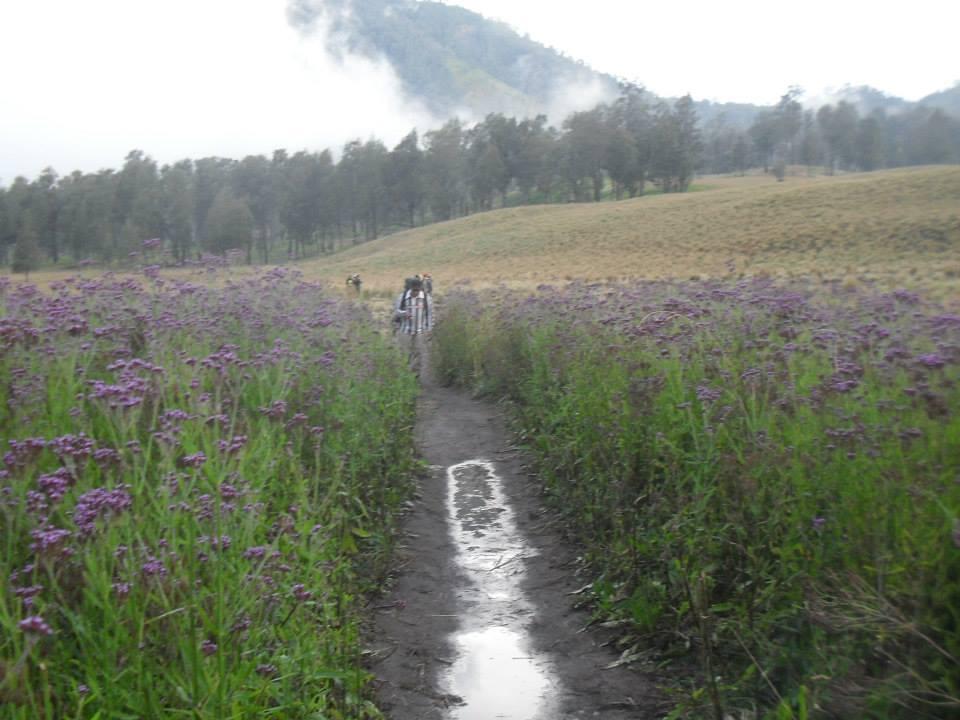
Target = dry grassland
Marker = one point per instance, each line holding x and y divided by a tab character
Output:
899	227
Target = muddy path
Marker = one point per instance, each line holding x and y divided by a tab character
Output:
479	622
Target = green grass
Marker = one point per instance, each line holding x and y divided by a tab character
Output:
254	445
763	477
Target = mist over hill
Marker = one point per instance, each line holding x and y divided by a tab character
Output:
457	62
453	60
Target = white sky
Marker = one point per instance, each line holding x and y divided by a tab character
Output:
85	81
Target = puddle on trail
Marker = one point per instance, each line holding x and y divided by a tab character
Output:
495	671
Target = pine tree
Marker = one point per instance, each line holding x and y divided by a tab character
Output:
26	252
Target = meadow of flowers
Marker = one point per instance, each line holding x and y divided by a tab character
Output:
765	478
197	487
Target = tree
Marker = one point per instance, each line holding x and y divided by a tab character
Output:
137	208
534	146
633	113
931	137
26	252
210	176
787	120
620	161
253	180
229	224
763	132
869	143
84	217
176	184
487	172
677	145
300	207
404	177
811	150
44	208
838	126
445	165
585	143
371	162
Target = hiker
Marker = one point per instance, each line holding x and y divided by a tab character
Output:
413	319
413	310
428	283
355	280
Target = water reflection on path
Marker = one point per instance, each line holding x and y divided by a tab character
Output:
494	672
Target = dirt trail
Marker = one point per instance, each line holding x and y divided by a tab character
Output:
478	624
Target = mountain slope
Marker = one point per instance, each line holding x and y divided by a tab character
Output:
453	59
457	62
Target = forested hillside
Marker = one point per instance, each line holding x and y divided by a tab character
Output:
453	59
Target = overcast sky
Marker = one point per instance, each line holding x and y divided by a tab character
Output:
85	81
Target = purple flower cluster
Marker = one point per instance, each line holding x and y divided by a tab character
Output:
100	503
35	625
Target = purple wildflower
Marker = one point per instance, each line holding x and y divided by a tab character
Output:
708	395
35	625
194	461
301	593
932	360
98	503
50	541
56	484
153	567
208	647
254	553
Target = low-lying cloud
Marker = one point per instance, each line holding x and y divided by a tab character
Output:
182	80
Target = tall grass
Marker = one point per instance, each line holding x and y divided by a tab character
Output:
198	487
766	478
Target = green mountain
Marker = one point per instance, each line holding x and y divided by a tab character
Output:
453	59
458	62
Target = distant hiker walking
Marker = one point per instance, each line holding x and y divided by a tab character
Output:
355	281
413	320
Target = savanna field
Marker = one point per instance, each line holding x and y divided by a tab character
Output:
744	406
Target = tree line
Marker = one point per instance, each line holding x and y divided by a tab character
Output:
267	209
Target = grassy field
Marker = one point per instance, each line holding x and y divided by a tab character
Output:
895	227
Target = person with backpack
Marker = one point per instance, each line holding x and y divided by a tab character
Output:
413	319
413	309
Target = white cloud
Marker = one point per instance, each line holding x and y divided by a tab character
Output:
85	82
750	50
180	79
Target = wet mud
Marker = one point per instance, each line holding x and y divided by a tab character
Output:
479	622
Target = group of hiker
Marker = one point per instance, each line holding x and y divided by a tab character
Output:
413	307
412	313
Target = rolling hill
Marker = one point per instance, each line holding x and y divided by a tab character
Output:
895	227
